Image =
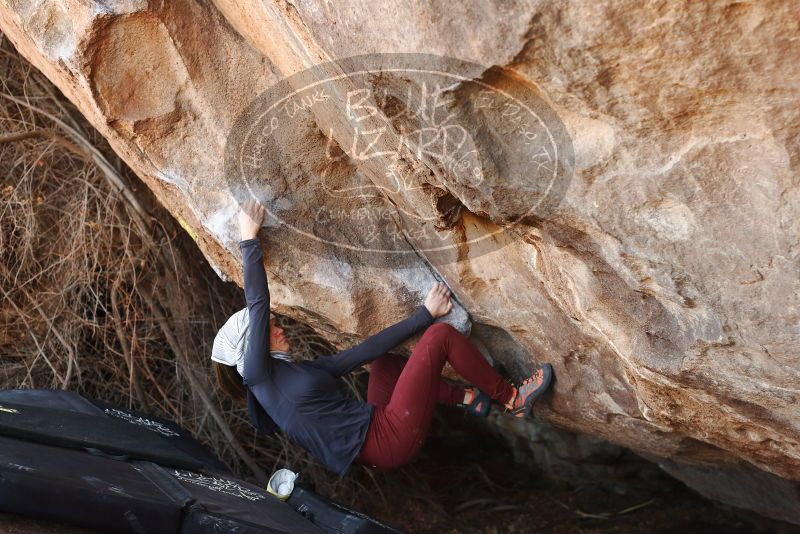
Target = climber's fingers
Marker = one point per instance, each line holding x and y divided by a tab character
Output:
251	215
253	208
445	292
441	290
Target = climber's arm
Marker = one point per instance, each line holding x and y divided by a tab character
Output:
376	345
257	363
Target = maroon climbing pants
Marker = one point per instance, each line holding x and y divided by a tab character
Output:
405	393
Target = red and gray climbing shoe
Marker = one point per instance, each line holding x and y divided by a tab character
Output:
480	404
531	389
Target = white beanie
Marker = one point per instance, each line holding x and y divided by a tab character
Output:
230	344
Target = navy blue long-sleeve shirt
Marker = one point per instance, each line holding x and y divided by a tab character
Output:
303	398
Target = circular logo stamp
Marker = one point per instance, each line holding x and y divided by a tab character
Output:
383	158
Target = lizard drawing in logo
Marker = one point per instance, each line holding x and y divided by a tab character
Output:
419	134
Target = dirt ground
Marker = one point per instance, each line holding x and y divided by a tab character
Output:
468	483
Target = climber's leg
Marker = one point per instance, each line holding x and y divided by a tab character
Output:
399	428
383	375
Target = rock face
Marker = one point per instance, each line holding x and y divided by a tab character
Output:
662	283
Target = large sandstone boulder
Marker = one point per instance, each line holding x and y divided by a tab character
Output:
659	275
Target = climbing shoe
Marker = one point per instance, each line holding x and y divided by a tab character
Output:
480	403
529	390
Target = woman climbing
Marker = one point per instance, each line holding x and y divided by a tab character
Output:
302	398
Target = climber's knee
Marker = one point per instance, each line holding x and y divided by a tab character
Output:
436	335
440	329
438	332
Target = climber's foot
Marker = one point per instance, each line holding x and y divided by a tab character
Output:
529	390
476	402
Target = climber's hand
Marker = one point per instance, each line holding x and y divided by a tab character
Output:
438	300
250	217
